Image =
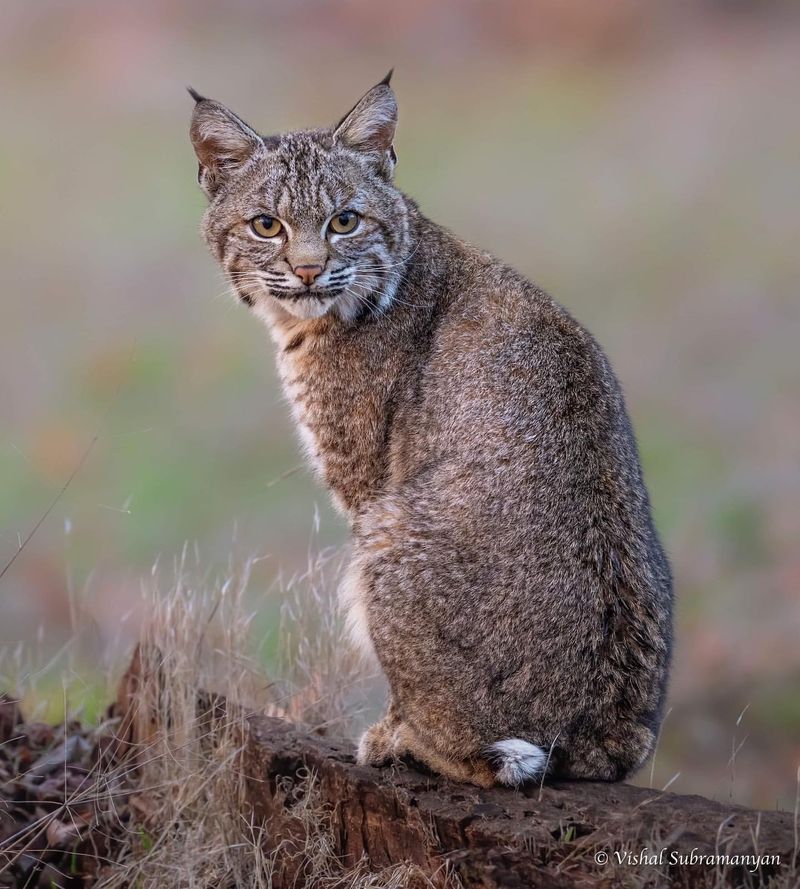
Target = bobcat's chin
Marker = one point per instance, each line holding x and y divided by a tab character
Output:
306	307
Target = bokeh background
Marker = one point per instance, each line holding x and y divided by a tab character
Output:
637	159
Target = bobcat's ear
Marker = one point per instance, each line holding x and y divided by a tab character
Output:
222	141
371	124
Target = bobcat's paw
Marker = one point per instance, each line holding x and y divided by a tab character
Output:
376	746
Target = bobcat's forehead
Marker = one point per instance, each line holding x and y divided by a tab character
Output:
304	180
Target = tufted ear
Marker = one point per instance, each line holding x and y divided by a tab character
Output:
222	141
371	124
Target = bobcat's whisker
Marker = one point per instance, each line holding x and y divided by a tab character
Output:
395	298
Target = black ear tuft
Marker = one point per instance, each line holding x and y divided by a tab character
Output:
388	79
198	98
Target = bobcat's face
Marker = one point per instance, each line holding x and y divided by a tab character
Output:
309	221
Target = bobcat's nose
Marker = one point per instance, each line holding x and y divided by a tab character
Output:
308	273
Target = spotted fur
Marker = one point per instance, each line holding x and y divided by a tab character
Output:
505	572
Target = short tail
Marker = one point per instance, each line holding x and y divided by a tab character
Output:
516	761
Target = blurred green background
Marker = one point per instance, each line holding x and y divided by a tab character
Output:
637	159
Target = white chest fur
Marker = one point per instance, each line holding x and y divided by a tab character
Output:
351	601
295	387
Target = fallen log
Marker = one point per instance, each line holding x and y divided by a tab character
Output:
556	835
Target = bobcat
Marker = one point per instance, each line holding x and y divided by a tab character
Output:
505	569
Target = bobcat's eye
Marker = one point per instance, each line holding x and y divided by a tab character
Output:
266	226
344	223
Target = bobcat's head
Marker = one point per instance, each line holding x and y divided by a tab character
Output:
310	221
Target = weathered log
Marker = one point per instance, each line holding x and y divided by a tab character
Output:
552	836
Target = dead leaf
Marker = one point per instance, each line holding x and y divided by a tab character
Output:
61	833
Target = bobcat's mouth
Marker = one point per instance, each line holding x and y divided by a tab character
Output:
338	290
319	293
328	286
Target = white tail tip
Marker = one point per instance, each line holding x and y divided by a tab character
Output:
516	761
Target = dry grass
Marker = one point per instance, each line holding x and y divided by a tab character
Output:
189	829
322	680
194	830
172	808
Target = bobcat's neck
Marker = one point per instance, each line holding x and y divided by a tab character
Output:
345	381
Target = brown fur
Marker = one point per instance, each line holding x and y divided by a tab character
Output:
505	568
